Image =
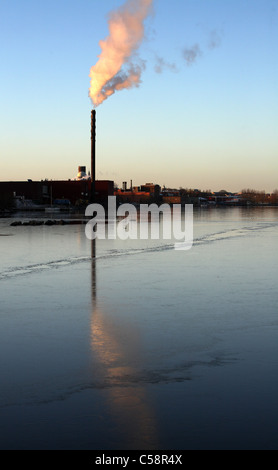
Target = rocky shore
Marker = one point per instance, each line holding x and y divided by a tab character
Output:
35	223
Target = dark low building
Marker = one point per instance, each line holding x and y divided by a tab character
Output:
47	192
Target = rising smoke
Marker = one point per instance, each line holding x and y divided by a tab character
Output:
162	64
191	54
118	66
115	69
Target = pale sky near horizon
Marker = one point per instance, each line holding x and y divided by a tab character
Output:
205	115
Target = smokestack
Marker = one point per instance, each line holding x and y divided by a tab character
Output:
93	155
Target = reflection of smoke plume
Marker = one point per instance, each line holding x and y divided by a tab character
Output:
126	34
190	55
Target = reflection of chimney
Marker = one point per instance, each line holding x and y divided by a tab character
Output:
93	155
94	276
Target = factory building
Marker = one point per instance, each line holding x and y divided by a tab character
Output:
52	192
137	194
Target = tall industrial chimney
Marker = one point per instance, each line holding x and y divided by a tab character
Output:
93	155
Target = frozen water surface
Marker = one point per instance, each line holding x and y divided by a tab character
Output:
143	347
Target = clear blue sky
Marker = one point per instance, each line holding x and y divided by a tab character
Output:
209	124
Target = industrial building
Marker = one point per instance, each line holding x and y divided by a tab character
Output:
137	194
79	191
48	192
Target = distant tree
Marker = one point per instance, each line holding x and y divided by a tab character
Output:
254	196
274	197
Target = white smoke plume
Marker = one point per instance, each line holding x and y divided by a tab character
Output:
115	69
